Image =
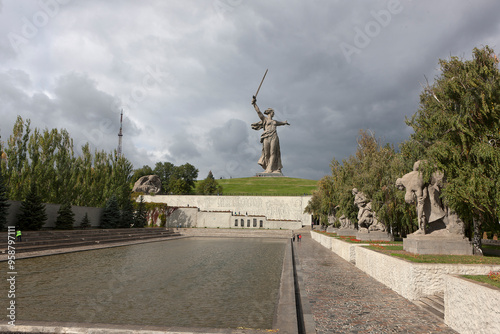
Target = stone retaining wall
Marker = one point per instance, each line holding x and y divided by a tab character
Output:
194	217
413	280
345	250
471	307
234	233
274	208
94	214
410	280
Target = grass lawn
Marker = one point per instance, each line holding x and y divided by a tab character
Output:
353	239
271	186
430	258
493	280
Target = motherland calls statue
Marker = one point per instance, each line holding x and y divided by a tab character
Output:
270	159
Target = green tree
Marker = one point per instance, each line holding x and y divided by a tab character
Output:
47	158
140	172
164	170
31	215
208	186
458	123
140	217
127	214
322	203
111	214
85	223
65	217
342	181
4	206
16	168
182	179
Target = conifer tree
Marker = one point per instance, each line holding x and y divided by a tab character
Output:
140	219
127	214
85	223
31	215
209	186
111	215
65	217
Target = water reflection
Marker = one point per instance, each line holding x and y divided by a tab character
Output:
195	282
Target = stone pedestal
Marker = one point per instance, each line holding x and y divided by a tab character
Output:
331	229
344	232
269	175
374	236
437	243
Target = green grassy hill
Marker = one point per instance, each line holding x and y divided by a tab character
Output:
272	186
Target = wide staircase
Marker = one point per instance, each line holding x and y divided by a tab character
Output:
33	241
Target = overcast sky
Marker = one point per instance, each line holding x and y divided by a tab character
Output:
184	72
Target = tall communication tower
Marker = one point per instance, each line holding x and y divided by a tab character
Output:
120	135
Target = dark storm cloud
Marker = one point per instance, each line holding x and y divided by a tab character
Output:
185	71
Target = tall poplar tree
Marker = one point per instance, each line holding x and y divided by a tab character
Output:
458	123
4	206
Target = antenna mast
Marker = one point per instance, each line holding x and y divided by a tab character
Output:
120	135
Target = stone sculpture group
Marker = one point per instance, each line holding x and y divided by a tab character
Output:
149	184
367	219
440	230
433	215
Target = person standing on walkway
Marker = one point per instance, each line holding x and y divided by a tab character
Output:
299	237
293	237
18	235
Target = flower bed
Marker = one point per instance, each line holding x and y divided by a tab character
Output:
493	278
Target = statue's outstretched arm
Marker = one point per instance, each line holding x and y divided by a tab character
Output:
282	123
254	103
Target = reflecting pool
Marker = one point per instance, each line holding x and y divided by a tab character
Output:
191	282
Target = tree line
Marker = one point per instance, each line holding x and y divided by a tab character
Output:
456	131
180	180
40	166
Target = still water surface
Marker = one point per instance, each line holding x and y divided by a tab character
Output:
192	282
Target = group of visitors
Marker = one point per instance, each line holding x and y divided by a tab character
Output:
299	236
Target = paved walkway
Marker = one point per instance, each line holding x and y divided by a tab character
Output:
344	299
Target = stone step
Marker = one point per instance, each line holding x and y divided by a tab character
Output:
50	236
433	304
34	248
64	239
76	238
